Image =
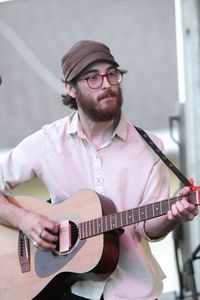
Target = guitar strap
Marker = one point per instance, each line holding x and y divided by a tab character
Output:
163	157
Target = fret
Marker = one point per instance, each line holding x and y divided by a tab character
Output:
118	220
109	225
130	216
169	203
146	212
95	226
136	215
87	229
123	218
165	206
113	221
106	223
126	218
161	208
92	227
142	213
149	210
99	225
104	227
83	233
156	209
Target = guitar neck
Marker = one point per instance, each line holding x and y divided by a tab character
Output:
131	216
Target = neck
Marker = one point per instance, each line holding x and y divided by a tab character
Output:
97	132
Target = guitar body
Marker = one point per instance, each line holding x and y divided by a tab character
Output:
96	256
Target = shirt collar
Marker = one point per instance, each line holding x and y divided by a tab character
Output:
74	126
121	128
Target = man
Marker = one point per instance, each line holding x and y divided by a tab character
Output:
96	148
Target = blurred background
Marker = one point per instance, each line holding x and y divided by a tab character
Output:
157	41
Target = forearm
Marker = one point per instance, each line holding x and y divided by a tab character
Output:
159	227
10	214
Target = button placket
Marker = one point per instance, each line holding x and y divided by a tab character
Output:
97	172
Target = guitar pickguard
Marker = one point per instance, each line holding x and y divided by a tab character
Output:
48	263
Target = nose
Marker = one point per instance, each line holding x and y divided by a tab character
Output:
105	82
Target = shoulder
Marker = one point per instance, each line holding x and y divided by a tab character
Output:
48	132
140	147
58	129
57	125
138	138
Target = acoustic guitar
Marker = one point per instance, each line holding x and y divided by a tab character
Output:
92	251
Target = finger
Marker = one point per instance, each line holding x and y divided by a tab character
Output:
170	215
49	236
176	208
190	208
183	211
44	245
52	227
186	209
185	191
174	213
183	206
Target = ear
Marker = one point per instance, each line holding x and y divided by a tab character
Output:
70	90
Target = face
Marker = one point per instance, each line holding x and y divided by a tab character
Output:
103	103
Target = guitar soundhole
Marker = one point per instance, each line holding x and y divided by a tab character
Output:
71	236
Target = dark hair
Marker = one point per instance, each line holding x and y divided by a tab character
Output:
68	100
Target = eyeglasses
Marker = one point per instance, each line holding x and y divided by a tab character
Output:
95	81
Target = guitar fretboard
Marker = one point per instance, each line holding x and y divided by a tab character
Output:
130	216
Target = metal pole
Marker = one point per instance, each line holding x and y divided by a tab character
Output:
188	57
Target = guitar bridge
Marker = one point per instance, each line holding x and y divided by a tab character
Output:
24	252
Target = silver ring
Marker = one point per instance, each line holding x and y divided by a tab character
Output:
40	234
35	244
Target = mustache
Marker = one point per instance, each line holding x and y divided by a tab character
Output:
105	94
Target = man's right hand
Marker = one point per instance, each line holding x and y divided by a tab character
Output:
40	229
36	227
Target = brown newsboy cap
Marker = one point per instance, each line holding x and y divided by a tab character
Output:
81	55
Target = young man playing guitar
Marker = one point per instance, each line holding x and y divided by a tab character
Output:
95	148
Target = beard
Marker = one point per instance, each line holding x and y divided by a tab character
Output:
98	111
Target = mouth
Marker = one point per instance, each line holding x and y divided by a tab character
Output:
107	96
108	101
